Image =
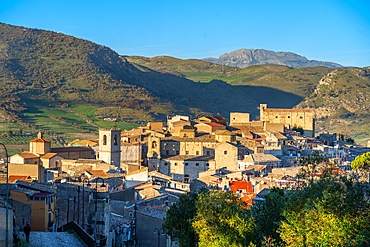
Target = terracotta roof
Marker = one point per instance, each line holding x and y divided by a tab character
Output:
241	185
97	172
180	122
223	132
261	157
189	158
28	155
213	124
14	178
90	143
195	139
48	155
40	140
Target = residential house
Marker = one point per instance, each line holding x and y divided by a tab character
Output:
227	155
42	199
268	160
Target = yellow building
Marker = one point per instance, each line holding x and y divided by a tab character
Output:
42	199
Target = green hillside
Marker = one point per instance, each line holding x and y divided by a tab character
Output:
300	81
342	103
71	87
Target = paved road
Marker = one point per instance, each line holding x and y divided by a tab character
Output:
51	239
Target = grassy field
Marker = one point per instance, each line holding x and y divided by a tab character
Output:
75	122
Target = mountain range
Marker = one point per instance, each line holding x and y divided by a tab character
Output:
69	86
247	57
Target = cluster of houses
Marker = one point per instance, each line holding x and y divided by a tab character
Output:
117	188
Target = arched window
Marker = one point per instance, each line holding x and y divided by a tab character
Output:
154	144
105	140
115	142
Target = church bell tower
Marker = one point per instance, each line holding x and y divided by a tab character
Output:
110	146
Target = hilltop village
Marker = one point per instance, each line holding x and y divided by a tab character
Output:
117	189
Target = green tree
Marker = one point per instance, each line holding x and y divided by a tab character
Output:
299	129
309	164
178	222
222	220
268	215
328	212
361	162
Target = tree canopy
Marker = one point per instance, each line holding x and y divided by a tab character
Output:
361	162
331	211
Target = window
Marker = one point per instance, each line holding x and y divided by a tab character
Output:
154	144
186	164
186	152
167	152
177	152
197	164
197	153
288	116
208	153
175	164
207	164
104	139
301	117
115	142
165	163
276	116
225	152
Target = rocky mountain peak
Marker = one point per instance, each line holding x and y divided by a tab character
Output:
247	57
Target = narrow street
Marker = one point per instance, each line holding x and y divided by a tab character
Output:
49	239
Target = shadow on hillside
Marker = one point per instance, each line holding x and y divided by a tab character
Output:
216	96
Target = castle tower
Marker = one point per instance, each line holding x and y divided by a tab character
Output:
262	109
110	146
40	145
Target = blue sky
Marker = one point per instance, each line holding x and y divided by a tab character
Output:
328	30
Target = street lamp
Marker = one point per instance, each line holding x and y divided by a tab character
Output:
96	202
7	197
83	199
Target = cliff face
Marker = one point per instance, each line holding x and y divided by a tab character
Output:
246	57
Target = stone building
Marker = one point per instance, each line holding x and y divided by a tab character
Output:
239	118
34	171
227	155
303	118
42	153
184	168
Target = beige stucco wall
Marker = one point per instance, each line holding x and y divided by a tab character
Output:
237	118
197	148
226	155
36	172
40	147
39	211
178	168
54	162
